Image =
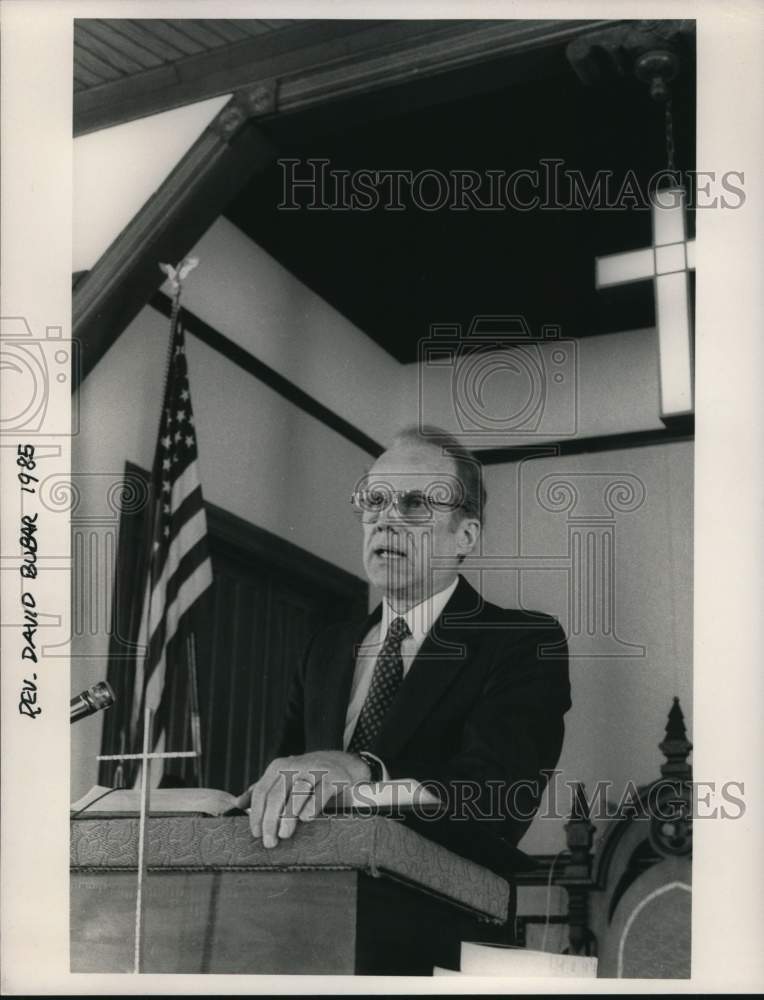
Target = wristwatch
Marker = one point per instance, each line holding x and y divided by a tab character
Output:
374	764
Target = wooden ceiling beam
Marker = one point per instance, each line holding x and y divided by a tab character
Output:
315	61
450	46
224	158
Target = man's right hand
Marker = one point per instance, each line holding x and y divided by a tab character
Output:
296	789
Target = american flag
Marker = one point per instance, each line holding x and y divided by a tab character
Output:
180	570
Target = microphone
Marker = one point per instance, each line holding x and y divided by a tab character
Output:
96	698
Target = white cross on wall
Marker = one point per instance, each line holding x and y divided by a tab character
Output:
668	262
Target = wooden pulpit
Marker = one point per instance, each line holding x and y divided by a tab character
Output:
345	894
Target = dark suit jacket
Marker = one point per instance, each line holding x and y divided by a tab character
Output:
483	702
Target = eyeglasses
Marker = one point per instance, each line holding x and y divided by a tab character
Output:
413	505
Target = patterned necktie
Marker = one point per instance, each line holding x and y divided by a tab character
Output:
387	677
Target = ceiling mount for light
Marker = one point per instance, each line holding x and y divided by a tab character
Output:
657	68
653	51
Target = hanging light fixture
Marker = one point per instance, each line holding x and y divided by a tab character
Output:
651	51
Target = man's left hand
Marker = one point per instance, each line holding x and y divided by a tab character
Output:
296	789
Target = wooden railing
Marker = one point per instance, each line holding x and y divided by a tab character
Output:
657	825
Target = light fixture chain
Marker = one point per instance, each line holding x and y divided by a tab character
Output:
670	148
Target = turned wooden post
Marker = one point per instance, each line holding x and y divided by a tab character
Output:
576	875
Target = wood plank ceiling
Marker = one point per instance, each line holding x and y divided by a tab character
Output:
109	50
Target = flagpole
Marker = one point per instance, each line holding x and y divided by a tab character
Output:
196	722
148	726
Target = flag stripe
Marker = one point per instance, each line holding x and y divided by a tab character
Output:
149	690
192	503
188	565
182	503
193	531
160	637
184	486
191	590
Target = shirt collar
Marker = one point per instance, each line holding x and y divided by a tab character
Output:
422	616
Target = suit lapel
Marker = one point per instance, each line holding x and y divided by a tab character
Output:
339	679
442	656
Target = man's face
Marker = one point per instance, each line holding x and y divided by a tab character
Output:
411	554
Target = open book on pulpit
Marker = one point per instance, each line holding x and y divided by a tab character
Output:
386	796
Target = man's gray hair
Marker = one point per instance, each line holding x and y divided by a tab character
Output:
469	470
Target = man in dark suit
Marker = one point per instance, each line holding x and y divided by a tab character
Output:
436	685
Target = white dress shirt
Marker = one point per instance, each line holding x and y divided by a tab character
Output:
420	620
